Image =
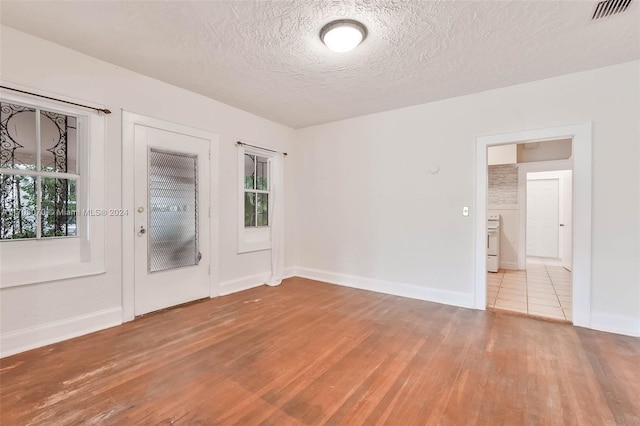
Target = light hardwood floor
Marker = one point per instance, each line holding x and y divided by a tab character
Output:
313	353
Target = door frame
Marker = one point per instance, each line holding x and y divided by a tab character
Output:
523	170
581	135
129	121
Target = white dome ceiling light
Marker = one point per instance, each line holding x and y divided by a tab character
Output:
343	35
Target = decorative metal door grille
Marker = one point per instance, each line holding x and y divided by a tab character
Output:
173	210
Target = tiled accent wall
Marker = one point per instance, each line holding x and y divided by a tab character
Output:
503	184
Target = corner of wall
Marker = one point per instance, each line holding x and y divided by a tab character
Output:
250	281
453	298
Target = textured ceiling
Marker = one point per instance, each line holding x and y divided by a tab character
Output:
265	57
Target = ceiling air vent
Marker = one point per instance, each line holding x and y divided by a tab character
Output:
610	7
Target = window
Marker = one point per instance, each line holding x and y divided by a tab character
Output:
256	190
52	191
38	173
255	198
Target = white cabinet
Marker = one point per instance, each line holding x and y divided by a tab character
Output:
502	154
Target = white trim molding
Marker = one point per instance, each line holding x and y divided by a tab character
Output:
32	261
129	122
581	134
57	331
627	326
251	281
253	238
243	283
412	291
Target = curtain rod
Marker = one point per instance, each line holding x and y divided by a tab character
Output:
103	110
259	147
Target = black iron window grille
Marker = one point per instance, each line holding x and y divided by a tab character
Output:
39	173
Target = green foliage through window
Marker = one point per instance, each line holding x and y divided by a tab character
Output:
256	191
38	196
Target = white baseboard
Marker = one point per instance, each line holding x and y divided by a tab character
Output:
34	337
291	271
243	283
250	281
617	324
412	291
41	335
509	265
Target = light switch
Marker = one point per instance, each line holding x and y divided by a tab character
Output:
465	211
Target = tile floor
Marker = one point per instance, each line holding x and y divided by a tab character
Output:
543	290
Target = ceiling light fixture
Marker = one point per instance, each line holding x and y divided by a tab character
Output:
343	35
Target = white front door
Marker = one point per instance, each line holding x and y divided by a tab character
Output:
542	218
172	225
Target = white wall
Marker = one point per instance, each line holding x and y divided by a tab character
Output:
362	206
45	312
370	210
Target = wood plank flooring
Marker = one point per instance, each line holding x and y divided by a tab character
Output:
313	353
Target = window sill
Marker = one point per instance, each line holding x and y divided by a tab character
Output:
254	239
249	248
26	262
18	277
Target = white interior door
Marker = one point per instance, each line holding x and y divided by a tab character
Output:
542	218
172	225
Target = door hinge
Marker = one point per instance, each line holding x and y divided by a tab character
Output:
209	270
209	154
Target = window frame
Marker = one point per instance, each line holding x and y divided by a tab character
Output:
36	260
253	238
257	191
39	173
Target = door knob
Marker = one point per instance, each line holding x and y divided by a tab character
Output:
141	231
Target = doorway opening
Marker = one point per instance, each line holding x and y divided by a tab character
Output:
170	237
534	197
543	199
543	288
549	243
